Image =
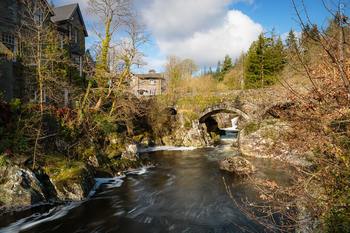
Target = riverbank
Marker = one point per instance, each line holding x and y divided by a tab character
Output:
184	191
62	181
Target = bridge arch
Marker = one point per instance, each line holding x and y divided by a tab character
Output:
221	108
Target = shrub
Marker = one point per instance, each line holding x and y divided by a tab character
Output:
251	127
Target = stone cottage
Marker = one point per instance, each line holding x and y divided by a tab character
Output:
150	84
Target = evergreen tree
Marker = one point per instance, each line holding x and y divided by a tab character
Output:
309	35
278	57
292	52
218	74
227	66
265	59
291	41
218	68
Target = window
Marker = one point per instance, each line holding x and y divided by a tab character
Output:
8	40
76	60
153	92
153	82
61	41
70	32
76	35
39	17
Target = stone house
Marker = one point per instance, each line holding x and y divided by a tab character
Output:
71	27
150	84
68	22
9	20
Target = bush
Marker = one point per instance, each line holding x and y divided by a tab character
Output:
251	127
3	160
338	220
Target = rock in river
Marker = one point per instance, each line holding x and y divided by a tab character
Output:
19	187
237	165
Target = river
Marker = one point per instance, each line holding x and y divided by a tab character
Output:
183	192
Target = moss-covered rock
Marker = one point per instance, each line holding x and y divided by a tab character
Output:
120	165
72	180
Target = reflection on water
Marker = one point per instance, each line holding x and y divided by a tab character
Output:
183	193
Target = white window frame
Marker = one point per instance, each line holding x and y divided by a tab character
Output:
61	41
70	32
8	38
76	35
39	17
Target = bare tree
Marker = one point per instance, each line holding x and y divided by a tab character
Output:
41	55
114	14
318	197
333	45
128	55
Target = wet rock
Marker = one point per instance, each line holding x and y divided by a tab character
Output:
237	165
196	136
147	141
96	161
19	187
75	185
131	152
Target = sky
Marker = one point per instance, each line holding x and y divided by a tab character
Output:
207	30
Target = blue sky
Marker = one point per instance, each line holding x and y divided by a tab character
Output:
207	30
280	14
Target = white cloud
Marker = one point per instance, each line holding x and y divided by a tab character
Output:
152	63
177	18
203	30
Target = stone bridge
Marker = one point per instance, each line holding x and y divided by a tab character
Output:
248	104
196	113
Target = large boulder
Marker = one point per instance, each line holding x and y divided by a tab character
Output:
237	165
73	183
19	187
196	136
263	139
267	139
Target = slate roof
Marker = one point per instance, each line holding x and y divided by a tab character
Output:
66	12
150	76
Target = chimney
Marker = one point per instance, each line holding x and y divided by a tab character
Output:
152	71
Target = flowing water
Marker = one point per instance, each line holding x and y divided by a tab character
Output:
183	192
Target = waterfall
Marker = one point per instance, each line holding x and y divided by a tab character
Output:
234	122
231	132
